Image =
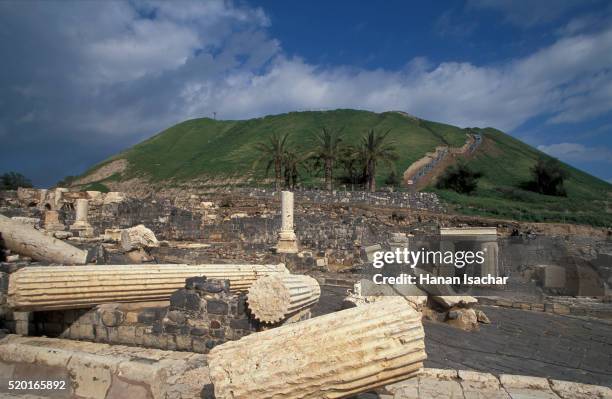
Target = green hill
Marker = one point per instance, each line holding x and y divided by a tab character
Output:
214	151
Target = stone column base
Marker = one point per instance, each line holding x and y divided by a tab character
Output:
287	246
83	229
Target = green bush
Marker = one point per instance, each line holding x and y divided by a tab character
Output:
459	178
14	180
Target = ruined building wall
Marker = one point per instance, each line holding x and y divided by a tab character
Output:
197	318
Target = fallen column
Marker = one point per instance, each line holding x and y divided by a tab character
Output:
27	241
62	287
272	298
331	356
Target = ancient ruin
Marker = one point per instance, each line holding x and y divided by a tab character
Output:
218	281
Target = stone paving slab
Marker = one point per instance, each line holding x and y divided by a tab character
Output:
466	384
525	342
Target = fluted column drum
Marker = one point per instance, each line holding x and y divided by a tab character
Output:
272	298
332	356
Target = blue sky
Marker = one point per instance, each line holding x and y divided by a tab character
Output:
80	80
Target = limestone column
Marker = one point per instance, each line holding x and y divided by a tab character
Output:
61	287
332	356
27	241
287	241
81	224
273	298
491	256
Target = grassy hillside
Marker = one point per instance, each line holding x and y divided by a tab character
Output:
505	163
213	150
206	148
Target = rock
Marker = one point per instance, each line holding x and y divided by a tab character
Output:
482	317
463	318
62	235
452	301
138	237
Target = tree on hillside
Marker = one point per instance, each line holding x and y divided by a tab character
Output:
393	180
14	180
548	177
327	146
460	178
292	161
352	163
273	152
376	148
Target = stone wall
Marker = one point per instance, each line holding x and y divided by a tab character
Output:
99	371
197	318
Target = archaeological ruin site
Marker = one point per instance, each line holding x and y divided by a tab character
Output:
253	293
306	199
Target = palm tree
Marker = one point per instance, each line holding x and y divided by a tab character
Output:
375	149
351	160
293	159
327	150
273	152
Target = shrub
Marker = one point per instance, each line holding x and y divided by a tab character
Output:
393	179
14	180
547	178
459	178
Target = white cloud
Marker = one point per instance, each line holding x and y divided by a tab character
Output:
528	13
569	80
577	152
134	68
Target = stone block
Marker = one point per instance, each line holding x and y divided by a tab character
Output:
199	345
177	316
574	390
126	334
185	299
240	324
147	316
131	317
92	375
554	276
559	308
183	342
217	307
121	389
521	381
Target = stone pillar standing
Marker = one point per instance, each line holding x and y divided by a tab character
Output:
332	356
81	224
287	241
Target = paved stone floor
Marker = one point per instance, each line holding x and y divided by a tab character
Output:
516	342
527	343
